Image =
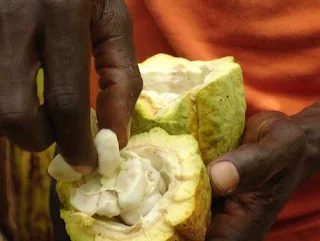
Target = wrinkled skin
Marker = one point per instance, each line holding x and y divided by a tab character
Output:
278	154
60	36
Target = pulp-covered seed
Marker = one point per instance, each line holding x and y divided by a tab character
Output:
131	184
84	203
59	169
92	175
108	204
108	152
91	187
130	217
109	183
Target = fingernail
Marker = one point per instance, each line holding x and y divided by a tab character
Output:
83	169
225	176
90	166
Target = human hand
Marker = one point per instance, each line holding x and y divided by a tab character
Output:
58	35
253	182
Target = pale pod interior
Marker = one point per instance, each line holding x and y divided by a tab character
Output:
167	84
127	185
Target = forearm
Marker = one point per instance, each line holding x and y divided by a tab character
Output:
309	120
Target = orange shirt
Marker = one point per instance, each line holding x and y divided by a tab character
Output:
277	43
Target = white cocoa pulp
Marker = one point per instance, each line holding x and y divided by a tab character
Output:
125	184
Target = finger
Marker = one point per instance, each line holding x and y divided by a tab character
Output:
252	165
23	121
116	64
21	118
238	223
66	57
258	125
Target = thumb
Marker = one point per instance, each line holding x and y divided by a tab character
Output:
252	165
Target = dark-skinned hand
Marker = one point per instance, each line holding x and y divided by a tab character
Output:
253	182
60	36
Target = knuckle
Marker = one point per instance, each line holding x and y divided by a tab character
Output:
292	142
14	115
299	134
296	138
300	144
130	80
65	101
260	124
63	5
55	3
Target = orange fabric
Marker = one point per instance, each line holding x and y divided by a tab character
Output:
277	43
